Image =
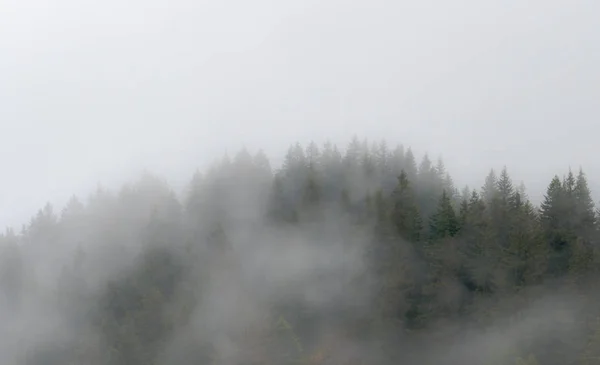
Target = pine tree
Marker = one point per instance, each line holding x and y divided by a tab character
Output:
381	209
569	205
554	212
463	213
527	254
310	205
479	256
429	187
465	193
444	222
311	195
74	208
506	191
584	213
382	158
405	213
522	191
294	164
489	249
353	152
446	181
489	191
569	183
584	255
410	165
332	172
502	208
261	161
551	207
369	165
397	161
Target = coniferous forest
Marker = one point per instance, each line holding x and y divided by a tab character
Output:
361	254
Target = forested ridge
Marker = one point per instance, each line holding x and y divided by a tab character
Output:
365	254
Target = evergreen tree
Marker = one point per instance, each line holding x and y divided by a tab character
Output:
569	183
463	213
465	193
479	256
553	215
311	199
429	187
405	213
584	205
294	164
137	268
550	209
353	153
502	208
397	160
410	165
261	161
444	222
506	191
332	172
522	191
489	190
382	158
313	157
527	254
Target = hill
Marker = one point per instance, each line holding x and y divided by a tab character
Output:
367	255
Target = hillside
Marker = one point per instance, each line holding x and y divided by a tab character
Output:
362	254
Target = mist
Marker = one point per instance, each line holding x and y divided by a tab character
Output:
323	182
96	92
363	256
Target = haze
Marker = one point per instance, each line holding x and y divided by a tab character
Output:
156	250
95	91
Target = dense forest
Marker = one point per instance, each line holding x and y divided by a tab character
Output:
361	255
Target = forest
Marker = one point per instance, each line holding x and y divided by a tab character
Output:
361	254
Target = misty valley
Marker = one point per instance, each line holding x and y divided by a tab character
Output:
361	254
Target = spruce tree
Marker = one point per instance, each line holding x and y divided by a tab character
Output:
526	255
405	213
463	212
489	191
311	199
554	212
397	161
477	272
410	165
444	223
585	216
506	191
502	208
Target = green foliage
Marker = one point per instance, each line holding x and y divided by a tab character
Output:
474	249
444	222
405	213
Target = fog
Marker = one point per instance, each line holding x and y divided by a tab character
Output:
94	90
172	253
135	276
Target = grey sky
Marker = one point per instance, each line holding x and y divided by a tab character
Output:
94	91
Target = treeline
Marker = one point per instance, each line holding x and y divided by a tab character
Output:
143	275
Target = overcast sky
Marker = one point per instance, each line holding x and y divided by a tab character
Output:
95	91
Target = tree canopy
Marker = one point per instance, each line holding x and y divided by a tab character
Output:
332	251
